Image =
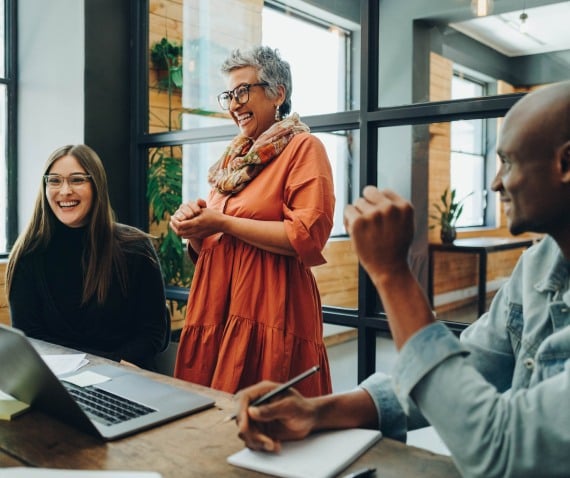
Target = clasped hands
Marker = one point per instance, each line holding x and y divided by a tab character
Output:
193	220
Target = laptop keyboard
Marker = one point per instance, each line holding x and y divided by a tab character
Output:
105	407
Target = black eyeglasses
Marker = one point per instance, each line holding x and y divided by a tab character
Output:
55	181
240	93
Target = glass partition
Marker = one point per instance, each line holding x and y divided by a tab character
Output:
429	148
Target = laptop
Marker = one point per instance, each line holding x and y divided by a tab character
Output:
123	405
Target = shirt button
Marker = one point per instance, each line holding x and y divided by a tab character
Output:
529	363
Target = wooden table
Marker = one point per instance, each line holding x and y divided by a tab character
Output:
481	246
194	446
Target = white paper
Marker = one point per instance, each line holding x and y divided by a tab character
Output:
65	363
84	379
20	472
321	455
5	396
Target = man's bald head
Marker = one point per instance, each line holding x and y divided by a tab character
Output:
544	116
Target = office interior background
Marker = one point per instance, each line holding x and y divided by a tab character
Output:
405	95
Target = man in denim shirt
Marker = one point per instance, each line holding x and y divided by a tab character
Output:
500	397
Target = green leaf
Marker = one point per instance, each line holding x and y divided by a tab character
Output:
176	76
449	211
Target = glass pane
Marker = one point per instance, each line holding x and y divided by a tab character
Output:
459	158
343	152
423	153
318	57
462	87
467	173
467	136
338	278
189	40
441	38
164	195
3	172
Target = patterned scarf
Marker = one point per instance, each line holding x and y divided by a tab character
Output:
244	158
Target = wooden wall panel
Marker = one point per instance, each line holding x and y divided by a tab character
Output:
4	311
338	278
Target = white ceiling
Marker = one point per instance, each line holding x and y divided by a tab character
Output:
548	30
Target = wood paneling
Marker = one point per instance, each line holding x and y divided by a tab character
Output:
338	278
4	311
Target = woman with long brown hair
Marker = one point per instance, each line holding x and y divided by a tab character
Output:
78	278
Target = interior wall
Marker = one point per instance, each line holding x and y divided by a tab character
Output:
108	55
50	88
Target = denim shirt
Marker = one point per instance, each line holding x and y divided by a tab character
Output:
499	397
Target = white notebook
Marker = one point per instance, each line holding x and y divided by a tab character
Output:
321	455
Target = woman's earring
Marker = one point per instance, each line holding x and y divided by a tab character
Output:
277	113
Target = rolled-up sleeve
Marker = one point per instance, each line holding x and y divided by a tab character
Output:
308	208
419	355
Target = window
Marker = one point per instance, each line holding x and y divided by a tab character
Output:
321	84
468	155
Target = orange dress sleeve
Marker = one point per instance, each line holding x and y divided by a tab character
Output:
309	200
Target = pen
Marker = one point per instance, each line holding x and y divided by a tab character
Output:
280	389
362	473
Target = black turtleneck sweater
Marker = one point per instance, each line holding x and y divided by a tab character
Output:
45	301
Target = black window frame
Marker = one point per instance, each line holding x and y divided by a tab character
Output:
11	153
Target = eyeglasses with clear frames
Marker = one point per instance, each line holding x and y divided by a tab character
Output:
240	93
55	181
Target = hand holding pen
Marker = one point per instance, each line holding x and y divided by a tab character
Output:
288	418
279	389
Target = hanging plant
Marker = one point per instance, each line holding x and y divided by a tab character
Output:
166	56
164	195
164	176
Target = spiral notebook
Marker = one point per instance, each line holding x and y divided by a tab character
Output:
321	455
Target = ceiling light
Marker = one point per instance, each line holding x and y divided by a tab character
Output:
481	8
523	27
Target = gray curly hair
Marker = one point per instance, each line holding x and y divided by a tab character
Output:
271	69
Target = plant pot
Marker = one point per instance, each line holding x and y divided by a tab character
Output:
448	234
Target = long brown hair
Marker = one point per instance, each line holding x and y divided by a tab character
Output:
104	237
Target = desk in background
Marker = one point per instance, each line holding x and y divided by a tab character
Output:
193	446
482	246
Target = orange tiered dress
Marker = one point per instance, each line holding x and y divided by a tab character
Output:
254	315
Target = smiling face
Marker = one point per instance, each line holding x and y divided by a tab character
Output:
71	205
533	179
258	114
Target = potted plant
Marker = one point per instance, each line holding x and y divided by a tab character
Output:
448	210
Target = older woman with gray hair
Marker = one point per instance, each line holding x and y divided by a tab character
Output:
254	310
